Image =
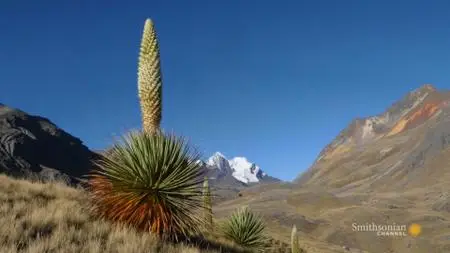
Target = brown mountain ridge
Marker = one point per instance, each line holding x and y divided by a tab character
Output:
389	151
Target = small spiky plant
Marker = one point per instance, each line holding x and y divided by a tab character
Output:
150	80
150	181
246	229
207	205
294	241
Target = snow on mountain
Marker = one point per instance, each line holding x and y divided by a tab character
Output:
241	169
219	160
214	159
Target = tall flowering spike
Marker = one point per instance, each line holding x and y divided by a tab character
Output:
207	205
150	80
294	241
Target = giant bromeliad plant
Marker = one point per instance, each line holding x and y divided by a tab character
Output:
150	180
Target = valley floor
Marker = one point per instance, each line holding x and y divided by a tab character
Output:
53	217
326	220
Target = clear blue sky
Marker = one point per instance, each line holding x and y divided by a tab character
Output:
274	81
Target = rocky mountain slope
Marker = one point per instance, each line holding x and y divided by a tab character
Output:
34	145
393	168
402	148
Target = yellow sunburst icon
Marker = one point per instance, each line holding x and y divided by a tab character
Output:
414	229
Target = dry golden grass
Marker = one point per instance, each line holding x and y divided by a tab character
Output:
52	217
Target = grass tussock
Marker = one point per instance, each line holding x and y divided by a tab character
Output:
52	217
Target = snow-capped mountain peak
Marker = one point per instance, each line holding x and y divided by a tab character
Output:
218	155
240	168
219	160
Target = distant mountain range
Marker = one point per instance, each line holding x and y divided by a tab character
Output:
239	168
34	145
229	177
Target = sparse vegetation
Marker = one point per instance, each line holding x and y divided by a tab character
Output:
246	229
52	217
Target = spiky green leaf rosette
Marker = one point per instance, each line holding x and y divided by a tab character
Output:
150	181
246	229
